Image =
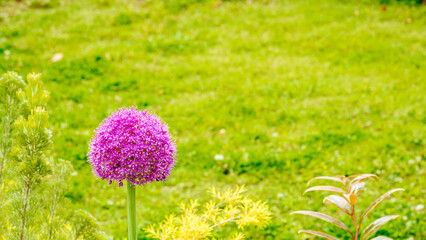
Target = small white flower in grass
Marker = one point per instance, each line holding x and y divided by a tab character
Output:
218	157
6	54
280	195
275	134
57	57
356	12
420	207
222	131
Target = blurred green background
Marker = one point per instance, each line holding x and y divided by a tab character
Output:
263	93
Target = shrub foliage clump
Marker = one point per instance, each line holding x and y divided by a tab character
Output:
33	184
198	221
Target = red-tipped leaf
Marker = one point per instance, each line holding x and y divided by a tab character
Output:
336	179
375	203
382	238
357	188
341	203
319	234
324	217
363	177
325	188
375	226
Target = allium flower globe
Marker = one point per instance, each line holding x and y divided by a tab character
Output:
132	145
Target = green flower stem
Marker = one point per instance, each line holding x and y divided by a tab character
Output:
131	211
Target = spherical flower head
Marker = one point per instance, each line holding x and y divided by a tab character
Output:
132	145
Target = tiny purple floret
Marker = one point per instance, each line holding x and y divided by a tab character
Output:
132	145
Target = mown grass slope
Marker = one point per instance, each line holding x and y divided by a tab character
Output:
283	90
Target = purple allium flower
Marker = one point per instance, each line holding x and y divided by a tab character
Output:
132	145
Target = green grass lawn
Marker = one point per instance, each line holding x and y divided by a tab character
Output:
284	90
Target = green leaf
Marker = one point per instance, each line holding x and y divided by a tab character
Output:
341	203
325	188
320	234
375	203
324	217
375	226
